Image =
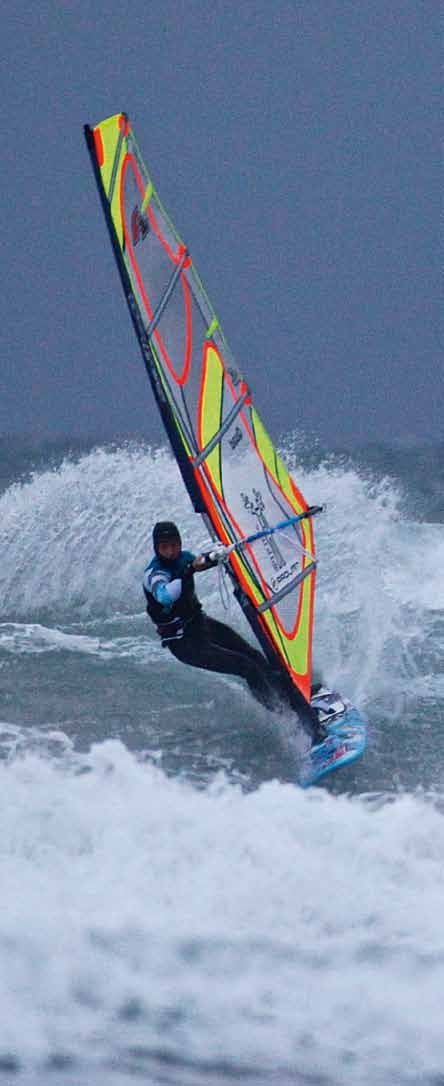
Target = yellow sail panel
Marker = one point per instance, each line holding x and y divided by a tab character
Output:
111	148
228	461
210	411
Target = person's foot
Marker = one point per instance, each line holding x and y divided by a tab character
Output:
319	734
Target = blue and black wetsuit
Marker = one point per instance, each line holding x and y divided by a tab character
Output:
195	638
171	599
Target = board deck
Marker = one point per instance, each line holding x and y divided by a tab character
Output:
345	741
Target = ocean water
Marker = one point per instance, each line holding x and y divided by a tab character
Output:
174	910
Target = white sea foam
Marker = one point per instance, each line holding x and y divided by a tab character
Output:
279	929
296	932
75	540
380	585
31	638
77	537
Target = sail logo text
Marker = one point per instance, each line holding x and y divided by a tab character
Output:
235	438
139	226
285	575
255	505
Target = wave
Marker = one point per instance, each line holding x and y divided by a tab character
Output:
75	538
168	909
33	639
198	934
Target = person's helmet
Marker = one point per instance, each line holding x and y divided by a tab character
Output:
163	531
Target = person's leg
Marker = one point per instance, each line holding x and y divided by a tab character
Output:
201	647
197	650
224	636
274	684
221	634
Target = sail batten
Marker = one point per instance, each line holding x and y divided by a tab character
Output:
278	596
237	407
233	473
167	295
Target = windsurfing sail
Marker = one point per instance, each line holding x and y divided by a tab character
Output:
233	473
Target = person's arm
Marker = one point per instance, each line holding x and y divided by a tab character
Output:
203	562
166	592
198	564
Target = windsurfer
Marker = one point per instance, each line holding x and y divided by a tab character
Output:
192	636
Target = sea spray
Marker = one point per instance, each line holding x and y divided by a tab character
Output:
288	931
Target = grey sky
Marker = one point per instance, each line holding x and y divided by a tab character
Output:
296	147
